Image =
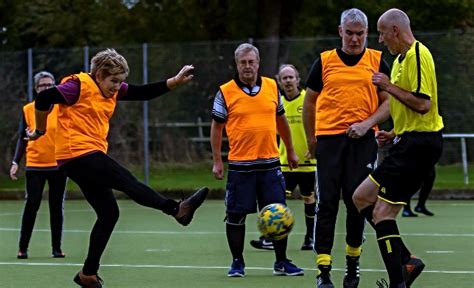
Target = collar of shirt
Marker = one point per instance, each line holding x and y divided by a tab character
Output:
349	60
246	88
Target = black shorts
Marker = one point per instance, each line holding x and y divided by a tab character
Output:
303	179
409	161
244	190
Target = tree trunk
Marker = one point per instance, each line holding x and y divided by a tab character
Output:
268	35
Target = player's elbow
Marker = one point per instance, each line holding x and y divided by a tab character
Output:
424	107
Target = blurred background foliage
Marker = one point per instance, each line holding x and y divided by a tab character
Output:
205	33
69	23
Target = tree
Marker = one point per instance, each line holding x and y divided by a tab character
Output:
59	23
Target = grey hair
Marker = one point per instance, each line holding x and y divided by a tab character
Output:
42	74
354	15
245	47
108	62
283	66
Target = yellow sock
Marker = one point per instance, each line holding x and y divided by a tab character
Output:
353	252
323	259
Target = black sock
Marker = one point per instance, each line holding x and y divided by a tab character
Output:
235	239
170	207
280	248
309	213
390	245
426	188
367	212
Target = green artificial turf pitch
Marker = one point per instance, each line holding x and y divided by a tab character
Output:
150	249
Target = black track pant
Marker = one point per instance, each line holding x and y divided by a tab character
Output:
35	182
342	164
97	174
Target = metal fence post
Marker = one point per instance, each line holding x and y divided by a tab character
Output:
200	130
86	58
30	74
464	160
462	137
145	116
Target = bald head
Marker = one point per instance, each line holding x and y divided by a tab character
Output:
395	32
395	17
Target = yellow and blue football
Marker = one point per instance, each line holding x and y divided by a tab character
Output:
275	221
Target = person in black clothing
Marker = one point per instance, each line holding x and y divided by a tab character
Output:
41	167
341	112
417	144
423	194
86	103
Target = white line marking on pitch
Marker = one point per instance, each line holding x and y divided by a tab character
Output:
205	267
45	212
157	250
439	252
469	203
223	232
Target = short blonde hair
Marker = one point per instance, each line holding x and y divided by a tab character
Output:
108	62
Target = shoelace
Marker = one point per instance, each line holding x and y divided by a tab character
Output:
100	280
238	264
289	263
382	283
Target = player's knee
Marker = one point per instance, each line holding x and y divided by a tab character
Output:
356	198
309	199
361	199
235	219
385	211
111	215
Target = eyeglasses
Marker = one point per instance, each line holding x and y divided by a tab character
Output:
46	85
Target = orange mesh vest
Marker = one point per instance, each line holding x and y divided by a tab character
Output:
251	121
348	95
40	153
83	127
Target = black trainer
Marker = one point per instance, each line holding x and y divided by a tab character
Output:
422	209
352	275
57	253
382	283
323	280
88	281
22	254
261	243
188	206
308	243
408	213
412	270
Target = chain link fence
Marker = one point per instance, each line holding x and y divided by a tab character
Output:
452	51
